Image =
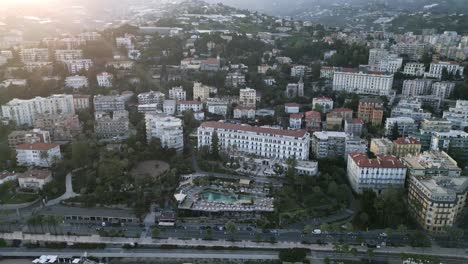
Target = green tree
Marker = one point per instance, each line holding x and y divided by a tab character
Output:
230	227
293	254
215	146
395	132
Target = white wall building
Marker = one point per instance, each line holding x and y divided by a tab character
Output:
183	106
63	55
152	97
37	154
217	107
32	55
377	174
363	83
436	68
104	79
416	87
458	115
325	103
34	179
200	91
76	82
258	141
178	93
75	66
170	107
414	69
248	97
167	129
443	90
23	112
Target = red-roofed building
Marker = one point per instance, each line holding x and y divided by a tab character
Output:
183	106
378	174
313	121
406	145
38	154
295	121
259	141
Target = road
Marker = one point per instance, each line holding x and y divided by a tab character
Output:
69	193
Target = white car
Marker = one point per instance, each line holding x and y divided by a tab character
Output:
317	232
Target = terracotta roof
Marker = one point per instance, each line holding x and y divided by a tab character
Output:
323	98
296	116
241	107
407	140
381	161
37	146
211	61
35	173
189	102
342	110
312	114
349	70
255	129
355	121
292	104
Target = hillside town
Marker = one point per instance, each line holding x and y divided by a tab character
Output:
200	123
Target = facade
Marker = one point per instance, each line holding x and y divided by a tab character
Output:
23	112
410	108
436	69
353	126
454	142
151	97
248	97
217	107
373	83
183	106
416	87
292	108
75	66
108	103
34	55
19	137
259	141
170	107
406	125
167	129
62	127
200	91
111	125
81	101
414	69
295	121
404	146
370	110
414	51
379	174
295	89
63	55
244	112
458	115
381	146
235	79
104	79
443	90
431	163
76	82
390	64
34	179
313	121
177	93
324	103
298	71
37	154
336	117
326	144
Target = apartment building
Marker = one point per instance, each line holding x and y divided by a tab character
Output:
64	55
34	55
370	110
336	118
369	82
62	127
326	144
177	93
167	129
108	103
295	121
183	106
443	90
458	115
248	97
381	146
404	146
200	91
19	137
37	154
218	106
295	89
414	51
353	126
406	125
325	104
416	87
414	69
152	97
23	112
313	121
104	79
244	112
81	101
259	141
436	69
75	66
453	141
76	82
378	174
410	108
110	125
235	80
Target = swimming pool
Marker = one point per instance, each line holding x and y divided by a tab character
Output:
221	197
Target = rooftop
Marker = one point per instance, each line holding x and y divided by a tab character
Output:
381	161
254	129
37	146
296	116
36	174
431	160
407	140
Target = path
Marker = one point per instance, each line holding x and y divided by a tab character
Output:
69	193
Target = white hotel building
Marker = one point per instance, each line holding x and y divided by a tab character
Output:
259	141
23	112
352	81
167	129
377	174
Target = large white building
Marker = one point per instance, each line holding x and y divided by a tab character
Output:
374	83
410	108
63	55
33	55
436	68
443	89
217	107
377	174
259	141
152	97
75	66
414	69
37	154
384	62
177	93
104	79
406	125
183	106
167	129
76	82
108	103
416	87
248	97
458	115
23	112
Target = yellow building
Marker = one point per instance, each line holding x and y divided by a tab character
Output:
404	146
